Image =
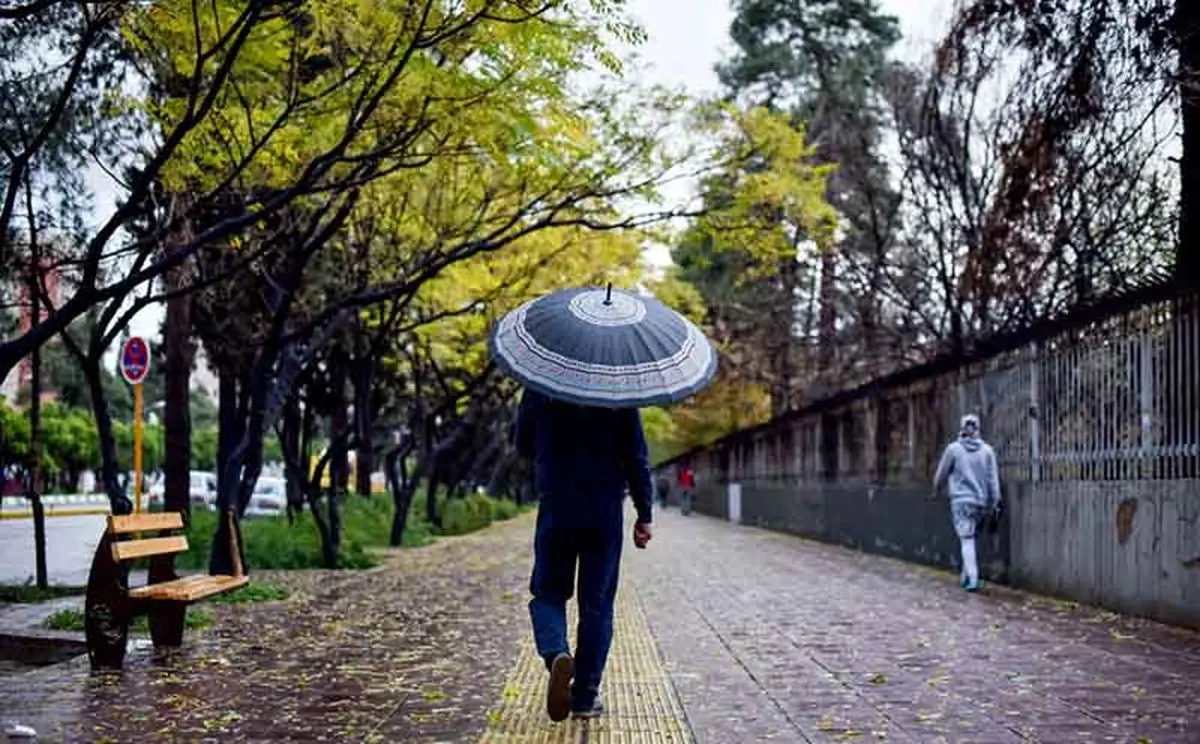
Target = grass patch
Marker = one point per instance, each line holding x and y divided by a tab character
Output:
72	620
271	543
252	592
27	593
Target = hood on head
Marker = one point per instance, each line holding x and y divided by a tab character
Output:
968	435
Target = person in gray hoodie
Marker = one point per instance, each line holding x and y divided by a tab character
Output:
968	467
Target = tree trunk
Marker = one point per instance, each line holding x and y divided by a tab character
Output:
1186	312
402	495
782	372
339	467
291	442
333	544
177	420
827	324
432	513
228	427
364	420
1187	257
229	435
328	522
33	490
110	470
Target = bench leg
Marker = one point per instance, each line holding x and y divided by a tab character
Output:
108	610
107	635
166	624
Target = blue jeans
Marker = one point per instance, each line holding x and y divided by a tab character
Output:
557	550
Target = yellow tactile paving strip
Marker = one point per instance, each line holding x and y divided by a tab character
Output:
640	702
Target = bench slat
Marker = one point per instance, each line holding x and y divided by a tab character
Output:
189	588
125	524
132	549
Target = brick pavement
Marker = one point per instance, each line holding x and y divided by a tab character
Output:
726	635
412	651
772	638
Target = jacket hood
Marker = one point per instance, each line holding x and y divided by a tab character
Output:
970	443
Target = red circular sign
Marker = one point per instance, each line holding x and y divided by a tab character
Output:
135	360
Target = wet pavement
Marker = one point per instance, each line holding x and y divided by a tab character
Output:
726	634
70	544
772	638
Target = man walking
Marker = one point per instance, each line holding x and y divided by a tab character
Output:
584	459
969	466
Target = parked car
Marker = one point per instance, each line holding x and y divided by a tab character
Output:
269	498
202	489
154	493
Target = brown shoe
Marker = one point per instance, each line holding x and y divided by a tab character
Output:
558	692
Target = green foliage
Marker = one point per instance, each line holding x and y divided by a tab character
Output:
204	448
14	435
152	446
774	199
28	593
823	48
271	543
461	516
71	443
737	269
252	592
70	440
73	620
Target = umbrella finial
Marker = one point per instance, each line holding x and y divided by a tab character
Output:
608	295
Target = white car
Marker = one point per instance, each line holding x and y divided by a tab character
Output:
202	489
269	498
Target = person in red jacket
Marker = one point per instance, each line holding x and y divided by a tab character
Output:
687	484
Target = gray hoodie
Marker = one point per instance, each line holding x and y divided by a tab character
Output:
970	465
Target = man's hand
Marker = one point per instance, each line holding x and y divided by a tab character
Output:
641	534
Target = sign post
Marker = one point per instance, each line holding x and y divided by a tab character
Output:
135	365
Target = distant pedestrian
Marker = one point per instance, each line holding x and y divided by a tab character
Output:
662	485
687	487
968	467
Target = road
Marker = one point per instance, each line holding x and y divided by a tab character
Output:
70	543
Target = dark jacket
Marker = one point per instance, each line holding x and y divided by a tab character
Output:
584	458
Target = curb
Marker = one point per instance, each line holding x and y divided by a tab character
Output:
53	512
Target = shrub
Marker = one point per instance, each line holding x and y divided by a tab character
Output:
272	543
72	620
460	516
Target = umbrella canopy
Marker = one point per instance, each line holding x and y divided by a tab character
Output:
604	347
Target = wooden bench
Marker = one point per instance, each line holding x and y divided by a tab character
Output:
112	605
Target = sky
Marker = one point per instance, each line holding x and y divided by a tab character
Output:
686	40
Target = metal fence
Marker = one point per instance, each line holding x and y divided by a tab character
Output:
1096	396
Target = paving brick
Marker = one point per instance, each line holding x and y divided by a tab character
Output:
819	643
725	635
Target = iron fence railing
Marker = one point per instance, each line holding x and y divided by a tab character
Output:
1105	395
